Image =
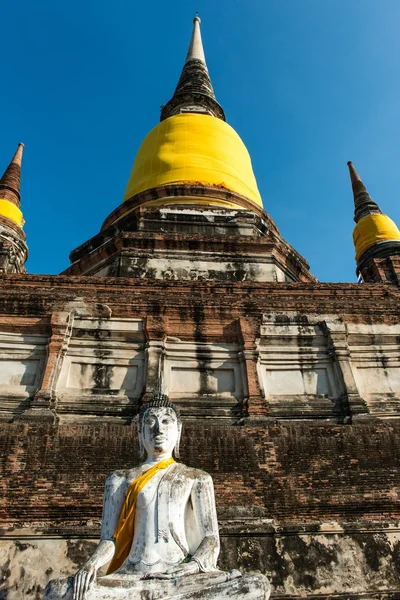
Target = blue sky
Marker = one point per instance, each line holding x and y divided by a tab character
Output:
308	85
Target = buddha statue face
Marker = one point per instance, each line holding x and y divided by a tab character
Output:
159	431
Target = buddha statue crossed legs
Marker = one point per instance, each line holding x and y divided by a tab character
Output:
159	529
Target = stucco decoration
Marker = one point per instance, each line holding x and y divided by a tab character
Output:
159	529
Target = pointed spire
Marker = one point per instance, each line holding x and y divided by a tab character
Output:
196	50
10	183
363	203
194	92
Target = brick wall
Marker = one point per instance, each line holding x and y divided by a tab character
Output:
292	473
290	496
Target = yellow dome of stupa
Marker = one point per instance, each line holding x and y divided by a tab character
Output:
196	149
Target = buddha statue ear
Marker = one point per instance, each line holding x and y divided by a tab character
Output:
178	441
140	437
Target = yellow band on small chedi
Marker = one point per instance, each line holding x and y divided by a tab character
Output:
373	229
12	212
193	149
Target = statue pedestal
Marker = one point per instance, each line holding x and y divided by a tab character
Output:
204	586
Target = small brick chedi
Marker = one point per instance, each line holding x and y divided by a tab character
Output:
289	389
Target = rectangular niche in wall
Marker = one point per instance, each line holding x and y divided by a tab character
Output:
300	380
22	359
105	376
191	381
105	361
375	356
295	370
204	375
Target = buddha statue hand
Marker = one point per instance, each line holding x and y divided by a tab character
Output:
87	574
83	580
180	570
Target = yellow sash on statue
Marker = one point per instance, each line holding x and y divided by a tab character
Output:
123	534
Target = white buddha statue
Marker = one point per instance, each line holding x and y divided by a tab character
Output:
159	529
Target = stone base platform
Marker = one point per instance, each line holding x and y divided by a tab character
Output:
204	586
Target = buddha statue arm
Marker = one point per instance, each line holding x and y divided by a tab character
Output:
114	496
204	521
203	502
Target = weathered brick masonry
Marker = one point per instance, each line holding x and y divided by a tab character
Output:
288	494
292	473
313	502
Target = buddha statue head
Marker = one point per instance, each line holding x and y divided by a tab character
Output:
159	427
